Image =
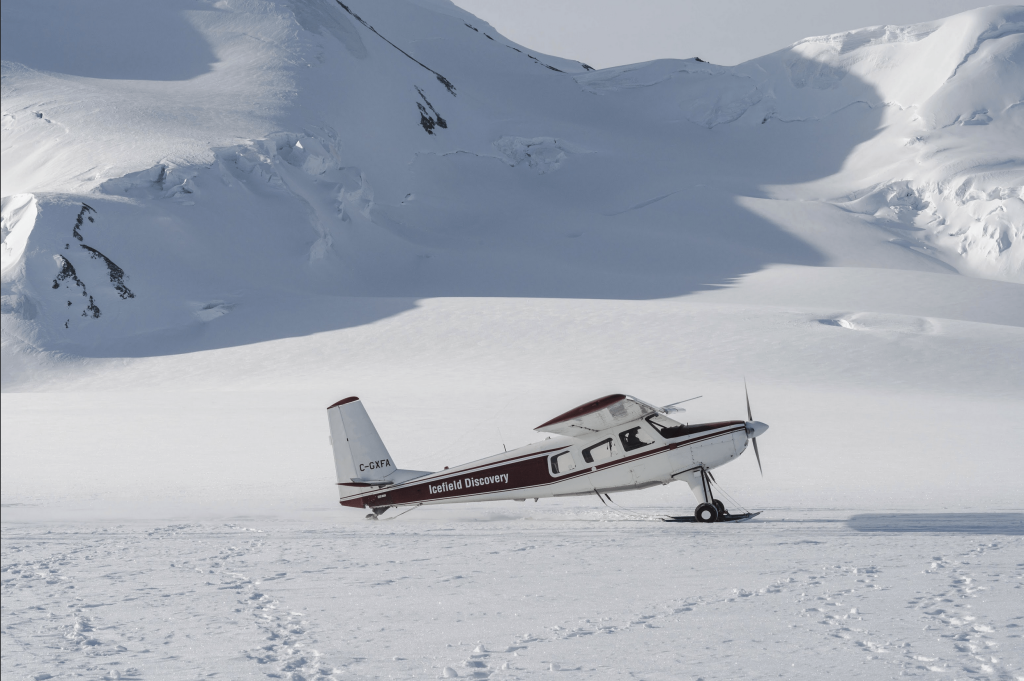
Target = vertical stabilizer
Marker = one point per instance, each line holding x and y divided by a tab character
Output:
359	453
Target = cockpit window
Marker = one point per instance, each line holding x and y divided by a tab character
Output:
562	463
602	451
662	422
635	438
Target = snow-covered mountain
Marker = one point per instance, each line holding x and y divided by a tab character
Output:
202	175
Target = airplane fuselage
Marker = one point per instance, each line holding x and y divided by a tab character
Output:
634	456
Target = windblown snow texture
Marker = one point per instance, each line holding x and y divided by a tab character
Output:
301	606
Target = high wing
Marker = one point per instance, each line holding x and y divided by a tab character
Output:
593	417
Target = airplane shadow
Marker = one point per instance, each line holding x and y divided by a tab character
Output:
957	523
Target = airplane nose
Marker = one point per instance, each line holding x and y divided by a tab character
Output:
755	428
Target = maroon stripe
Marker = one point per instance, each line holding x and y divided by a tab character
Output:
508	477
344	401
450	476
442	477
532	472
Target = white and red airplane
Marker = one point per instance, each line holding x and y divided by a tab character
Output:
612	444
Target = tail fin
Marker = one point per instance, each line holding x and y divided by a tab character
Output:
359	453
360	457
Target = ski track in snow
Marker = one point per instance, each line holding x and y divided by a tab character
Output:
579	593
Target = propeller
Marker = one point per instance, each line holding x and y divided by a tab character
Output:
753	430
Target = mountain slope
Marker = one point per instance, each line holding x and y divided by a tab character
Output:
408	149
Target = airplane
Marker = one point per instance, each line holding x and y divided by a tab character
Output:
611	444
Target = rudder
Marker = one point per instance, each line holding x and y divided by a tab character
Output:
359	453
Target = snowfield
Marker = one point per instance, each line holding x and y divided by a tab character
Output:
221	217
486	594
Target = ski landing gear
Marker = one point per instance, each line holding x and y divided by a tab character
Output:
710	510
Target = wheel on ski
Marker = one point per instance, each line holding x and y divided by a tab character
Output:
706	513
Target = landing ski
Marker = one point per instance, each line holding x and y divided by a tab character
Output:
727	518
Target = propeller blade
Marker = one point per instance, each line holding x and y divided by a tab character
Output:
750	417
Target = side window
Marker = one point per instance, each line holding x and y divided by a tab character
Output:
634	438
602	451
562	463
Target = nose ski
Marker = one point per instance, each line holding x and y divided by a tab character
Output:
727	518
710	509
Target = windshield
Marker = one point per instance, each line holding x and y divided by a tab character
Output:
660	423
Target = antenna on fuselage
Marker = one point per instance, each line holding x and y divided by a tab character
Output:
502	438
672	409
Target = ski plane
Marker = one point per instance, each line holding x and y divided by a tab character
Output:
611	444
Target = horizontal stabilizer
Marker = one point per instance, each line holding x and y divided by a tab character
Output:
398	476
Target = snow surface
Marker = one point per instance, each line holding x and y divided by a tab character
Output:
517	596
219	218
